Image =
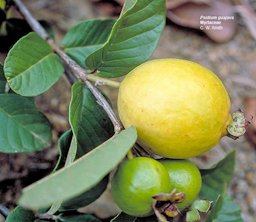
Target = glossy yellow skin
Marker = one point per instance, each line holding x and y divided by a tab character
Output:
180	108
135	182
184	177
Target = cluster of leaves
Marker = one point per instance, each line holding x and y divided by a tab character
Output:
112	48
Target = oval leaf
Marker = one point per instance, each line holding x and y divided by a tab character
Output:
86	197
24	128
31	67
86	37
63	145
123	217
76	218
2	79
225	210
89	122
19	214
132	40
215	180
81	175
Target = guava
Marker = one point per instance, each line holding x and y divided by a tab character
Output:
136	182
184	177
179	108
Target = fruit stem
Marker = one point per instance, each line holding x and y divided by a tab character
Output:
99	81
130	155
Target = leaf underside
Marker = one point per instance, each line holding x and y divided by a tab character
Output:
81	175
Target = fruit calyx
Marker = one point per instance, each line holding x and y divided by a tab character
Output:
237	126
164	205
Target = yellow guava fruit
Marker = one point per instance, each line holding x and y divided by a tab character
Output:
179	108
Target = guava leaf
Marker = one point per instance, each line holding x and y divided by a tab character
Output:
89	122
225	210
20	214
76	218
86	197
123	217
216	180
133	38
63	145
31	67
81	175
91	127
23	127
2	79
86	37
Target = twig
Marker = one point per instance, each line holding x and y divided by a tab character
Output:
77	70
46	216
106	107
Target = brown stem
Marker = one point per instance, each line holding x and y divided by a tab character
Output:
76	70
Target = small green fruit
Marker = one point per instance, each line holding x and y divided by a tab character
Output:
184	177
136	182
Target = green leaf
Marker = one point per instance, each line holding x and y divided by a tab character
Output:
86	197
216	180
63	144
225	210
2	79
132	40
89	122
81	175
31	67
86	37
20	214
192	216
91	127
24	128
123	217
201	205
76	218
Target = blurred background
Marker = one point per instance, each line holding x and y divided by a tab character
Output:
227	48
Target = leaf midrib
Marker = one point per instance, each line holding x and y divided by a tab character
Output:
86	46
32	66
